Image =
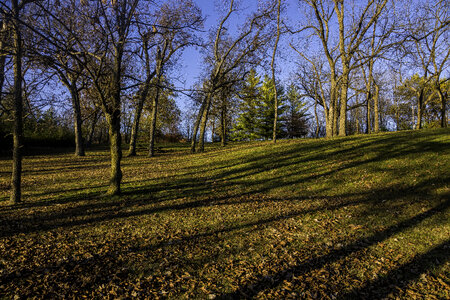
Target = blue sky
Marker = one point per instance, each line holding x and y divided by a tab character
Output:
191	59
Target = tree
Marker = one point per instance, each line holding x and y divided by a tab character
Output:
12	17
419	89
230	55
16	7
246	123
429	31
112	23
174	30
272	67
178	21
296	113
266	110
340	47
56	54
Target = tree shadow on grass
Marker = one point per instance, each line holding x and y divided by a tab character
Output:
266	282
110	267
197	191
96	208
400	277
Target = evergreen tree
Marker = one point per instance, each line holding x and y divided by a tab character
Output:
266	110
296	114
247	122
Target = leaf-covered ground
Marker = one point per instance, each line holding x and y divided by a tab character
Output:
356	217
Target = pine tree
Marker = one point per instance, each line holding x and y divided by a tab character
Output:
266	110
296	114
246	124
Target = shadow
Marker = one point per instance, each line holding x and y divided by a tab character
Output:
228	182
265	282
98	208
400	277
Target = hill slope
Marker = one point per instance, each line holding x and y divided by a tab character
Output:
363	216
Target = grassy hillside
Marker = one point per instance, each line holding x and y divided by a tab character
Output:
362	216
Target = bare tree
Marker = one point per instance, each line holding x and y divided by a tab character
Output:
13	13
228	55
340	47
272	67
432	51
177	25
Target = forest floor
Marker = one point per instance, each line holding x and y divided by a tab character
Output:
354	217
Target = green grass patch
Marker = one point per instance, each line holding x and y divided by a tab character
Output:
354	217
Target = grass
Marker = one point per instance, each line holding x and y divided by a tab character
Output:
355	217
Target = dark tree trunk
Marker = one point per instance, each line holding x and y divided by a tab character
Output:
420	110
368	109
116	152
2	59
223	126
151	148
196	126
113	118
92	129
135	127
18	109
443	98
204	120
79	145
317	119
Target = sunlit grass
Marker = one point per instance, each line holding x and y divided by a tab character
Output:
364	216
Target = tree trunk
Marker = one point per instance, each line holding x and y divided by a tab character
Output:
116	152
443	98
275	121
335	119
196	125
368	98
204	120
2	58
113	118
343	108
420	110
92	129
317	119
272	66
151	150
213	128
223	126
79	145
135	127
376	109
18	109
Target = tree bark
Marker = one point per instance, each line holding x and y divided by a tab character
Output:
204	120
79	144
196	126
116	152
113	118
443	98
343	108
223	125
420	109
16	177
135	127
92	129
2	58
151	150
272	66
335	116
376	112
368	98
317	119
